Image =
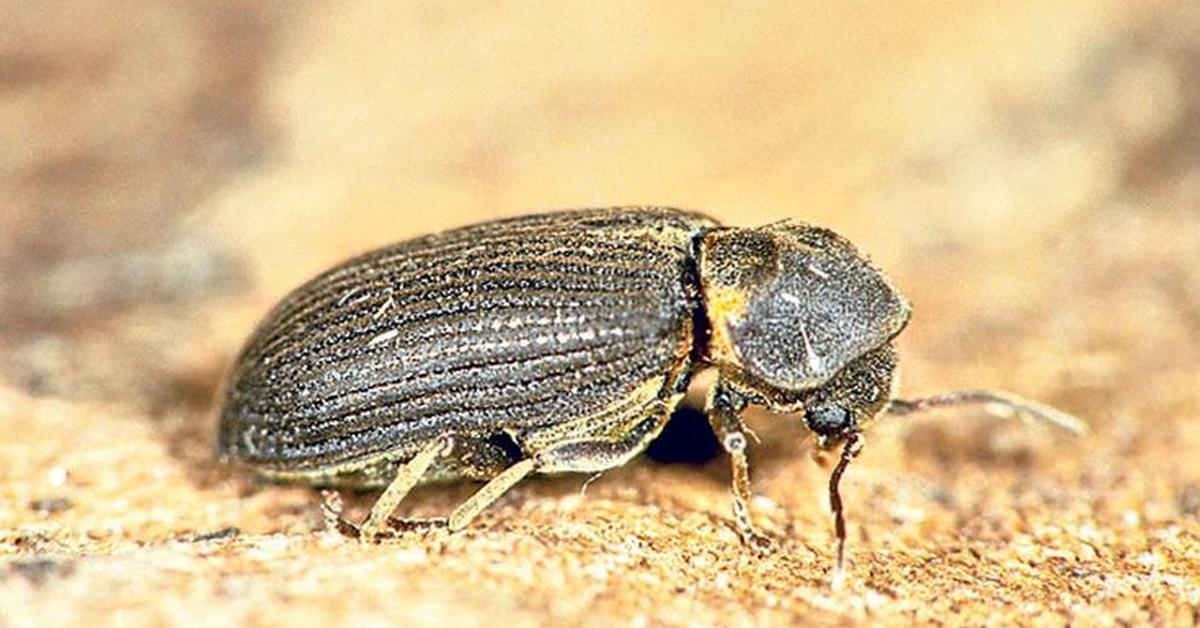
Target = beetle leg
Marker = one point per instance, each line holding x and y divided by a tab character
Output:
724	409
602	452
407	476
331	512
573	456
585	454
475	458
470	457
490	492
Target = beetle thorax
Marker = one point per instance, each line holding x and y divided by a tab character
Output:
724	307
791	304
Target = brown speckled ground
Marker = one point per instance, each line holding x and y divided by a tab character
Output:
1030	175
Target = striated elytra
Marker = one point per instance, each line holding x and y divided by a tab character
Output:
561	342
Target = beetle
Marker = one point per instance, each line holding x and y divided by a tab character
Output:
561	342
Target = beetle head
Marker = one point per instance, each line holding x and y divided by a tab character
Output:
791	304
851	398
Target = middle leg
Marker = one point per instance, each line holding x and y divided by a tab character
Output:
584	454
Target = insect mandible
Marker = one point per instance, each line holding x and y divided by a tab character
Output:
562	342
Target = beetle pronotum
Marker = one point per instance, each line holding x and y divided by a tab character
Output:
561	343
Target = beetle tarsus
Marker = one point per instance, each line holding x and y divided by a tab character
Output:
331	512
331	506
397	524
759	544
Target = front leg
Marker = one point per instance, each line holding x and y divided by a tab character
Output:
724	409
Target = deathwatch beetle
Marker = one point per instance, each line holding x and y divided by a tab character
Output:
561	342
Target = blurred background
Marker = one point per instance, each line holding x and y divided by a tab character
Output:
1027	172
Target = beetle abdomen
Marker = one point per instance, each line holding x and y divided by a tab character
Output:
511	325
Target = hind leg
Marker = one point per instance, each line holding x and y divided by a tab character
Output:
449	455
585	454
407	476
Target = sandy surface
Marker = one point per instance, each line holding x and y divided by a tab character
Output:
1028	174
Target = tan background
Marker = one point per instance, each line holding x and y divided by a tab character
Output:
1028	172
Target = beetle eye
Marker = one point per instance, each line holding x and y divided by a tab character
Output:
831	420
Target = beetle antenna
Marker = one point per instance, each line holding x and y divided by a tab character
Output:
854	445
997	403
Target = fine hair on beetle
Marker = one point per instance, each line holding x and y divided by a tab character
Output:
561	343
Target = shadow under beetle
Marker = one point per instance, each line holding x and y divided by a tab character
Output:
561	342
